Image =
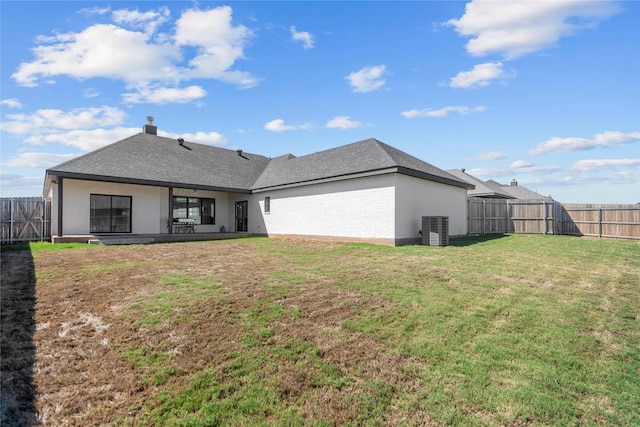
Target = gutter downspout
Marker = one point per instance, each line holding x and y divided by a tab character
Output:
170	216
60	196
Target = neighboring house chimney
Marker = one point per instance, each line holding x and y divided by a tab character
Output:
149	127
514	183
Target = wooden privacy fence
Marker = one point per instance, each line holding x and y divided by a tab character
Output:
487	216
600	220
25	219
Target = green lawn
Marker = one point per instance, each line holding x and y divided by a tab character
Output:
513	330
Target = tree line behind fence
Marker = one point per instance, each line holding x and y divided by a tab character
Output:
29	218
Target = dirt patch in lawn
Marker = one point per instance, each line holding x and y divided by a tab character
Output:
80	328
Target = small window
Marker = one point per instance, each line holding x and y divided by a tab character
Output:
267	204
110	214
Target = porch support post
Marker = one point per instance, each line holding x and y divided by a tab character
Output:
170	225
60	191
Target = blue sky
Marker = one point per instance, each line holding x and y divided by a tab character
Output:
545	92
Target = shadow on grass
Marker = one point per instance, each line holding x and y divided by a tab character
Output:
473	240
17	328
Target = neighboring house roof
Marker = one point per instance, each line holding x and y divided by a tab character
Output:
364	157
489	189
524	193
153	160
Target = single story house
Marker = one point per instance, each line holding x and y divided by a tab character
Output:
151	185
483	189
494	190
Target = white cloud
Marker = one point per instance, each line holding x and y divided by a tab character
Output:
367	79
11	103
520	164
164	95
442	112
133	50
480	75
206	138
514	28
278	125
102	50
517	167
219	43
492	155
38	160
302	36
605	139
343	122
482	172
600	164
14	185
619	177
50	120
149	21
90	93
86	140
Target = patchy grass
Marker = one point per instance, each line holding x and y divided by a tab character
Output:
498	330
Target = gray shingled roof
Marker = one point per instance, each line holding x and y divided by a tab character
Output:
154	160
483	188
365	156
149	159
520	192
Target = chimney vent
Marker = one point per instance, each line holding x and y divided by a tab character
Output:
463	169
180	141
514	183
239	152
149	127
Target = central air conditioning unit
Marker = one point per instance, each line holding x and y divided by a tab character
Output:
435	230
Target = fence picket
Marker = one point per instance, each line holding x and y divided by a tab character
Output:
24	219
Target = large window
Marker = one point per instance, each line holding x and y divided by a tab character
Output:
203	211
110	214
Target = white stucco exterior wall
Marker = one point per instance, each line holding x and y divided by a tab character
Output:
355	208
150	206
416	198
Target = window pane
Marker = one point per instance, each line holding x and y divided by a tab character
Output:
110	214
100	214
208	211
179	207
194	209
121	214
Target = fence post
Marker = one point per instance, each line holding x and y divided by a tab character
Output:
599	222
484	216
44	219
11	220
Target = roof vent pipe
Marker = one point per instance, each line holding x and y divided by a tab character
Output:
180	141
239	152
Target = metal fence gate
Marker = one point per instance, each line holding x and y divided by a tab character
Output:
25	219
